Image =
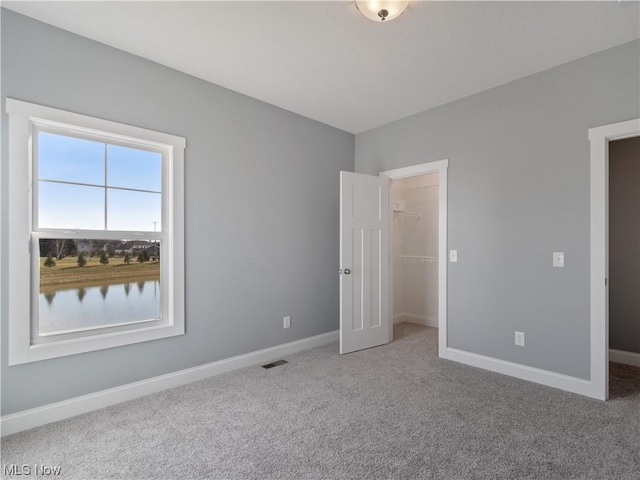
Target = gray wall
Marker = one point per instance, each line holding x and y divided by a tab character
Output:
624	245
518	191
262	193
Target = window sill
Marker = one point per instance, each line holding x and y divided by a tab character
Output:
25	352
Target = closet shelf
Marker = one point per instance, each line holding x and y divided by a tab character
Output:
418	258
405	214
421	187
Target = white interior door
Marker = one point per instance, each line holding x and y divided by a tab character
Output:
364	261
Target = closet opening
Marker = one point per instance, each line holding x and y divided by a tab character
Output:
415	252
624	267
417	276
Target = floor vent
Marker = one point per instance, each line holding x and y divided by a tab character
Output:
277	363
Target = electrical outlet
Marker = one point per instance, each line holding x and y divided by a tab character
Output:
453	255
520	339
287	322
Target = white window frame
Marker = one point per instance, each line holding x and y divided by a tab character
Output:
24	119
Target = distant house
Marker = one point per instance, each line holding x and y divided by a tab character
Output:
119	247
133	247
84	246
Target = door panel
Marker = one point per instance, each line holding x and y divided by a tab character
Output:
364	261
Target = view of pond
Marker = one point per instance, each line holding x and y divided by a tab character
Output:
97	306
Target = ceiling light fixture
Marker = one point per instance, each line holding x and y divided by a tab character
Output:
381	10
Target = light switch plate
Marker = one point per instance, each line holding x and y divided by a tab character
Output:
558	259
453	255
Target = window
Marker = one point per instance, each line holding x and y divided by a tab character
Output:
96	236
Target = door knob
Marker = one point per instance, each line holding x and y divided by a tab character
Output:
347	271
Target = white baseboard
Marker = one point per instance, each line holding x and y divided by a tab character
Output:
417	319
35	417
531	374
628	358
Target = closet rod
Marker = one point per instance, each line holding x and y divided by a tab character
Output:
422	258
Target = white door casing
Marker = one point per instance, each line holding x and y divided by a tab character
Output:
440	167
364	261
599	138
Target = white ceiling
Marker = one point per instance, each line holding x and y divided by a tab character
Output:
325	61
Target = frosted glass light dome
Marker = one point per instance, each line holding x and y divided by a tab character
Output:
382	10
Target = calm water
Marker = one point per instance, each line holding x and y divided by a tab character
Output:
99	306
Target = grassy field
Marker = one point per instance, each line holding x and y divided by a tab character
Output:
67	273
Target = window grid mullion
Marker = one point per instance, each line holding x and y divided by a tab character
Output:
35	186
98	186
106	182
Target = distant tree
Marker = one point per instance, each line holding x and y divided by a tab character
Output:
59	248
49	262
59	244
71	248
145	254
104	259
45	247
127	258
111	251
82	261
81	293
141	256
49	297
